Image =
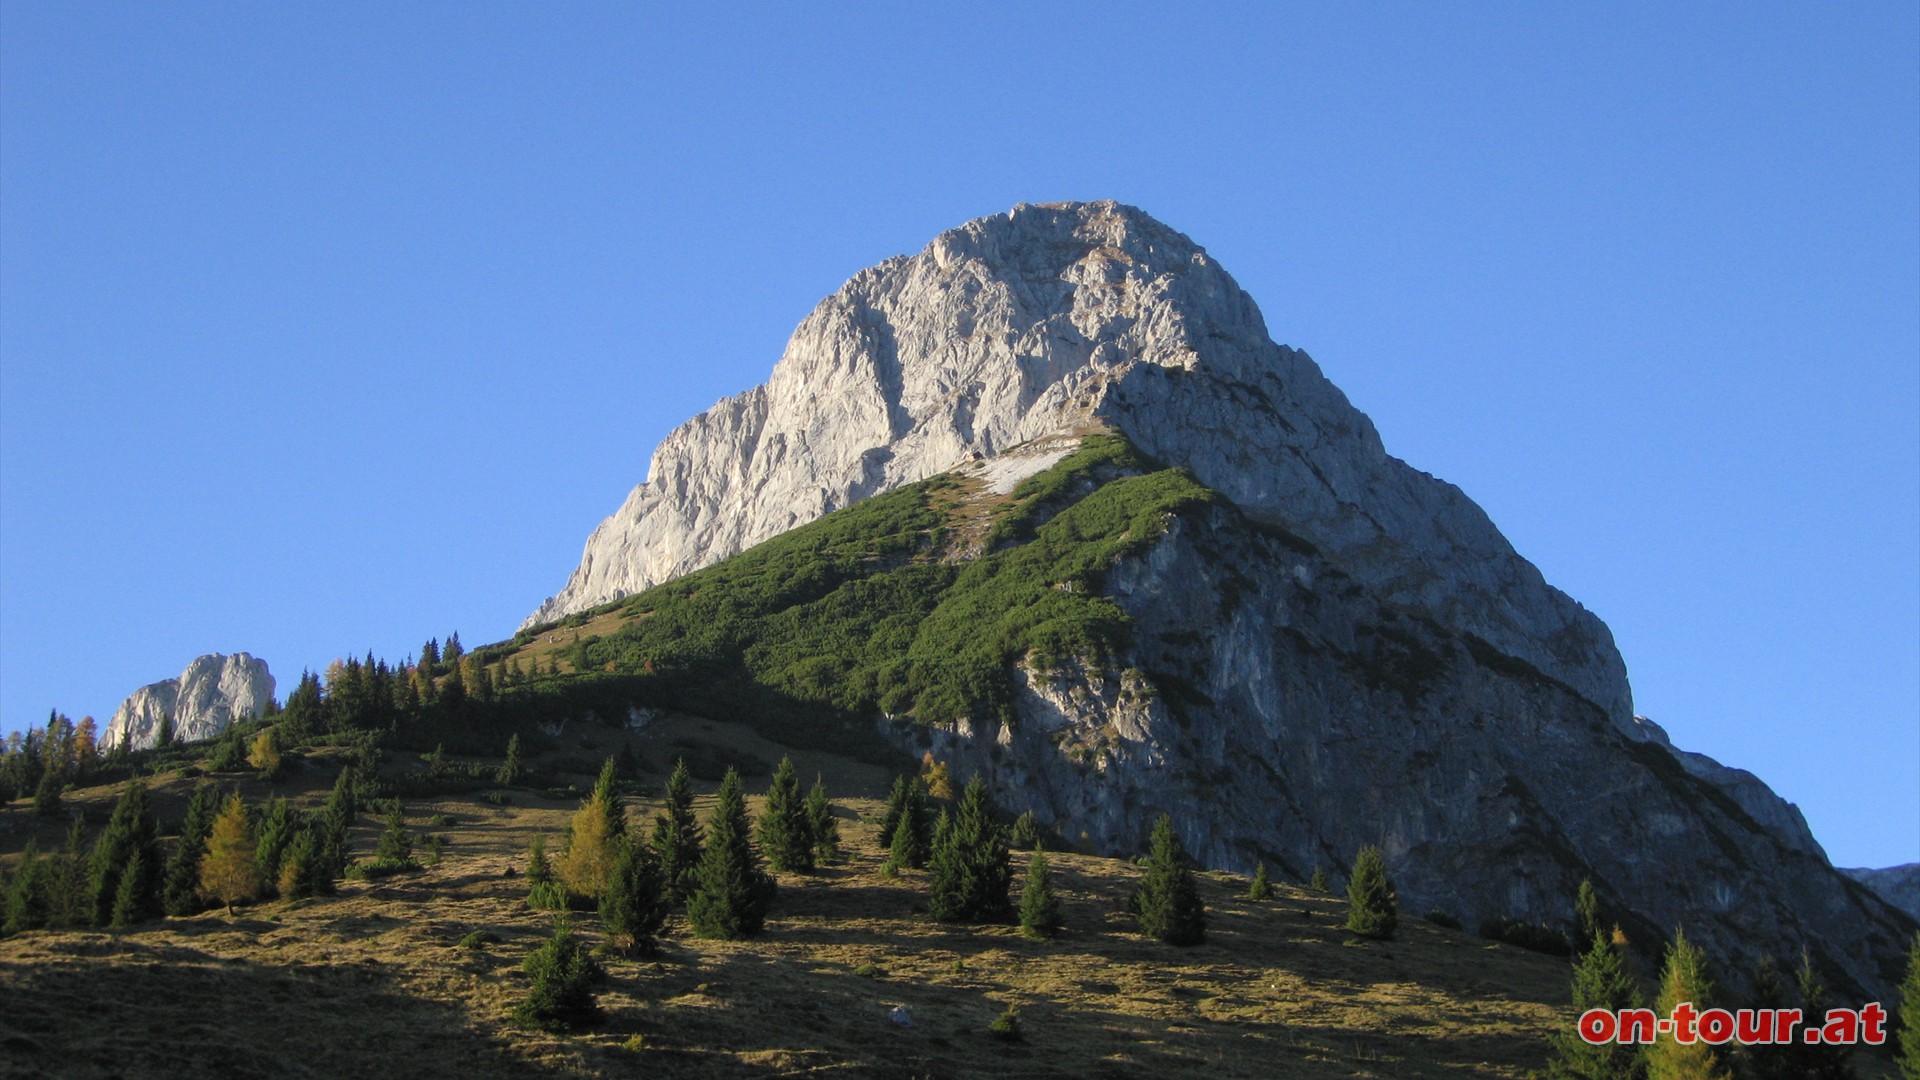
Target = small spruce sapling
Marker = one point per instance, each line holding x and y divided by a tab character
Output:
1039	908
1372	910
563	974
1261	888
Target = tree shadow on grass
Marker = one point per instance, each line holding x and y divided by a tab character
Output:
153	1013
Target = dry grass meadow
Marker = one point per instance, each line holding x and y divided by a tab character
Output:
372	982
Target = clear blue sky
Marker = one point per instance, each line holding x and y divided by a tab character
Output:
327	328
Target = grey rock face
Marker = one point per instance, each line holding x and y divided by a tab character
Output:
214	691
1042	321
1781	817
1284	711
1897	885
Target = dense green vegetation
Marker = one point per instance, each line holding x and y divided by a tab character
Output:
854	613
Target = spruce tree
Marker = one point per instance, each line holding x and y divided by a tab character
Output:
561	991
904	853
46	794
1588	920
970	868
896	808
274	831
820	821
511	773
635	903
544	890
336	824
1261	888
1683	978
180	886
1371	908
1025	835
27	902
1816	1061
1774	1061
227	871
299	863
731	893
784	831
129	906
1908	1043
1599	982
130	845
1318	882
676	835
69	900
395	851
607	792
1168	901
1039	909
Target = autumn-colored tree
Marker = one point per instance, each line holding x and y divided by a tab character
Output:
593	840
228	872
935	778
1684	980
264	754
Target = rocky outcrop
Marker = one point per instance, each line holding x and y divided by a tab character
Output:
1284	711
1781	817
212	693
1897	885
1045	320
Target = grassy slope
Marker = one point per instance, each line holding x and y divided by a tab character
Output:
866	611
325	987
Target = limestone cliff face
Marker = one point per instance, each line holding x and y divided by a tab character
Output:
214	691
1348	653
1284	711
1044	320
1897	885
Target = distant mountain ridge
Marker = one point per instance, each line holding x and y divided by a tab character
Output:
1316	647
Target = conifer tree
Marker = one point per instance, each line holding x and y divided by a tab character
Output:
784	831
1318	882
1261	887
1816	1061
1683	978
731	893
935	779
1768	1061
1026	833
544	890
69	900
229	754
274	831
890	815
915	819
1909	1037
28	904
1599	982
129	906
436	762
903	854
593	839
606	793
676	835
336	824
1371	908
512	772
130	845
298	864
396	842
561	992
970	868
1169	902
163	739
264	754
180	888
228	872
1039	909
46	794
635	903
1588	922
826	831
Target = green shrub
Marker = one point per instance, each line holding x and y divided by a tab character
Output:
1006	1026
479	939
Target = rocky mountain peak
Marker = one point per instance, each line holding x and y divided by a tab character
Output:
213	692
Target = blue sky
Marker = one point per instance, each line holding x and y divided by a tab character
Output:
332	328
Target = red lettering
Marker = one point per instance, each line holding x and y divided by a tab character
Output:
1683	1020
1597	1025
1841	1027
1716	1026
1784	1021
1637	1026
1755	1026
1874	1019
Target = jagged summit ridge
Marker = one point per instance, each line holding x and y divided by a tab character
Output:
213	692
1061	317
